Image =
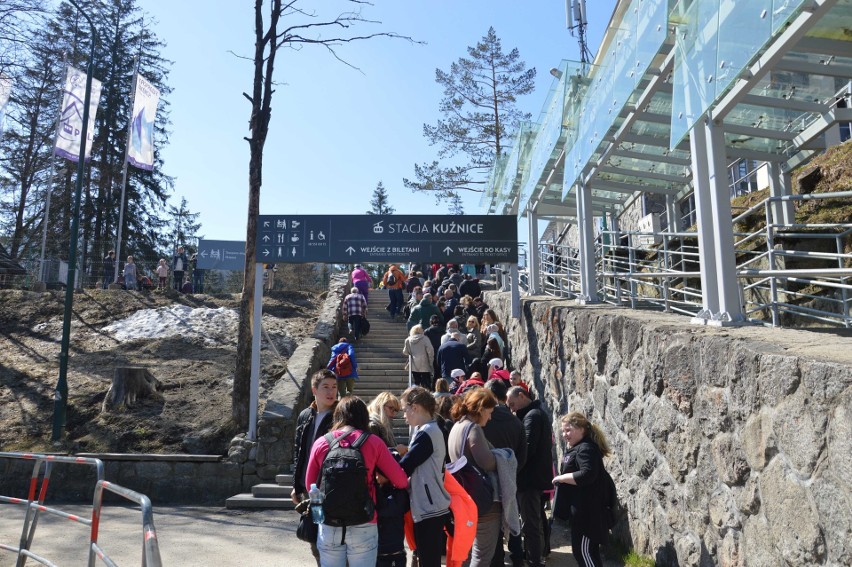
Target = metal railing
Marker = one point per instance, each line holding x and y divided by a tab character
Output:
34	504
781	284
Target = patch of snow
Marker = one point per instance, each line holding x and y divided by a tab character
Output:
212	326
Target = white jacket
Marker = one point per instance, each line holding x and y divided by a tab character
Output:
420	349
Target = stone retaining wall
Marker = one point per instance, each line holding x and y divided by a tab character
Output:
730	448
272	453
165	479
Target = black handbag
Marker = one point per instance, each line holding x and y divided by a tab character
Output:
475	482
307	530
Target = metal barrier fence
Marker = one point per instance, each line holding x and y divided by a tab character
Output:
35	506
640	269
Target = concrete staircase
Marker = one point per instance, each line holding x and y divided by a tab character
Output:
381	367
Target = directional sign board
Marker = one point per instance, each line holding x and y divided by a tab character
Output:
221	255
338	239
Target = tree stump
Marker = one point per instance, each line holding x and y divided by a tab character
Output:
129	384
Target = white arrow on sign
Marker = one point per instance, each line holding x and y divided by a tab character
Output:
266	251
350	250
266	238
266	224
448	250
204	253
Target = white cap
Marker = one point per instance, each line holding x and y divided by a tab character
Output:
496	363
457	373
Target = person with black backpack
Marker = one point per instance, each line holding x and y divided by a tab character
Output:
343	464
583	489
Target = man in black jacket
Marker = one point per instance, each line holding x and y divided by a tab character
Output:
505	431
537	473
312	423
470	286
434	334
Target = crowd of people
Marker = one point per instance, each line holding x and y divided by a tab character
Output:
477	474
186	276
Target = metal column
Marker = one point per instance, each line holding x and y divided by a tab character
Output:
704	225
780	184
533	256
672	215
730	309
588	292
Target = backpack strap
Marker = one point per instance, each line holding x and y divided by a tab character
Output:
361	440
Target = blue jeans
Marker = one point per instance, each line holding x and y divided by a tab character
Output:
360	549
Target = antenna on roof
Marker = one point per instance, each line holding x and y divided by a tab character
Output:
576	22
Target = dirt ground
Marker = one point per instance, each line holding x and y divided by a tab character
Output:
196	374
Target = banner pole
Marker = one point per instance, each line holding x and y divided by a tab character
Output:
119	228
52	184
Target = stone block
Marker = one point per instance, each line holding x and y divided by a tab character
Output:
748	497
833	501
758	439
679	375
800	431
711	409
839	451
153	470
757	544
683	448
825	381
688	547
724	515
779	377
730	460
729	552
791	516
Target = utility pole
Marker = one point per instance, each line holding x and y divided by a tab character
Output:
576	22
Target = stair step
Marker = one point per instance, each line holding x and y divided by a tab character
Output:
247	500
271	491
284	479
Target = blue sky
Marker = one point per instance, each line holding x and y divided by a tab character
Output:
336	132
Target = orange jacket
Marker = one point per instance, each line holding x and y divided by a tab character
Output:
465	517
397	273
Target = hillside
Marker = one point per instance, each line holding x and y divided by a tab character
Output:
188	343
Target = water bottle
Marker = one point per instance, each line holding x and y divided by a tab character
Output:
317	497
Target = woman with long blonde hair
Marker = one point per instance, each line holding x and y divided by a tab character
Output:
580	487
383	409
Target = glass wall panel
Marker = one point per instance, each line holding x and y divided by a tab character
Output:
744	28
696	47
651	18
783	11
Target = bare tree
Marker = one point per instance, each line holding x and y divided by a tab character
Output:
281	24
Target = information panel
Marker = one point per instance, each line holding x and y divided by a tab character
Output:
221	255
339	239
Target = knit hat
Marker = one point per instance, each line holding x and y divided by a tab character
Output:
496	363
458	372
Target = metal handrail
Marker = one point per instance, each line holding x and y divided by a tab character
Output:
629	273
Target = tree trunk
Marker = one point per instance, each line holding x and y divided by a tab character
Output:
128	385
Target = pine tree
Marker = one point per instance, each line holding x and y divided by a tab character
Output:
379	204
25	148
479	116
183	225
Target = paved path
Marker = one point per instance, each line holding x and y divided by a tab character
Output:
189	537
